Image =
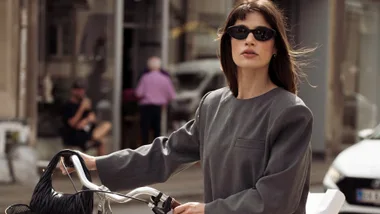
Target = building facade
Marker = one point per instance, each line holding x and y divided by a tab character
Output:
18	20
47	44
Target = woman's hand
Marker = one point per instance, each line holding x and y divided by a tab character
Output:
190	208
88	159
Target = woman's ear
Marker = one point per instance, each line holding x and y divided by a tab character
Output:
274	51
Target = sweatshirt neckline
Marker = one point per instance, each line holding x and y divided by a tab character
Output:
259	97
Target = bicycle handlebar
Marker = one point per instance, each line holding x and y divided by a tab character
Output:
117	198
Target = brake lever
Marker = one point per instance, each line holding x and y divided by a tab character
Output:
104	205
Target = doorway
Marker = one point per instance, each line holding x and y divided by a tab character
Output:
130	121
141	40
128	58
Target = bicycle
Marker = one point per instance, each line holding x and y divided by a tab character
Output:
160	203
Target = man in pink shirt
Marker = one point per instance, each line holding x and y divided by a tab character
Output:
154	90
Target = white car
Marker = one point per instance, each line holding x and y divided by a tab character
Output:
356	173
193	79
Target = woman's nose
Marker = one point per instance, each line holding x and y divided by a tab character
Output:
250	40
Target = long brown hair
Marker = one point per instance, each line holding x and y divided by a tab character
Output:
284	69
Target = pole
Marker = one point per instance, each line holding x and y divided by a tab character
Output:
164	54
23	58
32	71
118	46
165	33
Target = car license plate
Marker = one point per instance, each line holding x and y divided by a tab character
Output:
368	196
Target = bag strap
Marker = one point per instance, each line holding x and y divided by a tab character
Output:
66	153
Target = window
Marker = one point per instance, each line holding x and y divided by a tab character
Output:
67	34
60	30
60	39
52	38
188	81
360	66
216	82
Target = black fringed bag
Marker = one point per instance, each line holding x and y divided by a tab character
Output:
45	200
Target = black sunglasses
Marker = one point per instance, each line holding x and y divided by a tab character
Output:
241	32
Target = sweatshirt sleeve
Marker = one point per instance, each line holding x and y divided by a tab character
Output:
153	163
284	181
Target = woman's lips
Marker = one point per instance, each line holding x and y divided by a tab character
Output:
249	53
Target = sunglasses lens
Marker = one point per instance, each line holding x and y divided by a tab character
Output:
260	33
238	32
263	33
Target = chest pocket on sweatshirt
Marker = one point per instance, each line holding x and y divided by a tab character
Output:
249	156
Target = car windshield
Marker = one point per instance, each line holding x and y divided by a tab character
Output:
188	81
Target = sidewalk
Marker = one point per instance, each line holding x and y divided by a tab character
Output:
188	183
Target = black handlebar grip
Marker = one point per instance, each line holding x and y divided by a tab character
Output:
175	203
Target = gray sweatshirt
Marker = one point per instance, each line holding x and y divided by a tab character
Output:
255	154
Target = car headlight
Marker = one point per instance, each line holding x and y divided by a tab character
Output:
334	174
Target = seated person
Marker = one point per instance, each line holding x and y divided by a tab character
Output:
80	126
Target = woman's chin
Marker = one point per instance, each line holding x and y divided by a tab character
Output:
251	66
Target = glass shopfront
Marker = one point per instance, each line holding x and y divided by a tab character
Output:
76	42
360	66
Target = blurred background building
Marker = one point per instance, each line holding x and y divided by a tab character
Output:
46	44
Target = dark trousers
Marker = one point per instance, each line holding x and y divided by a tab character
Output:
150	118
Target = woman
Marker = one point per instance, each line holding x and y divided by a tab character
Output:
257	129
